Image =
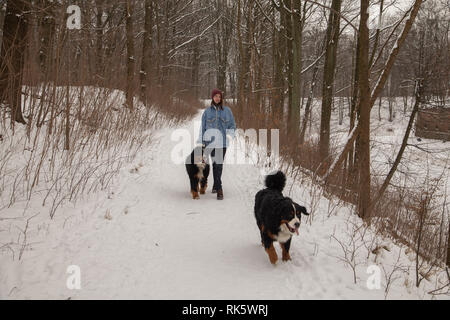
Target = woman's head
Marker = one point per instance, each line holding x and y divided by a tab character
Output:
217	97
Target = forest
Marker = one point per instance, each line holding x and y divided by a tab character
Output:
350	85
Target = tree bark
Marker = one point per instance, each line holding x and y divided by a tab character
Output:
146	64
287	20
308	104
448	246
296	71
242	55
100	76
46	35
222	39
364	101
14	44
249	78
354	113
332	39
279	53
130	55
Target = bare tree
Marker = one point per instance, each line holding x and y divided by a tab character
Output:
355	133
131	59
333	31
14	43
147	50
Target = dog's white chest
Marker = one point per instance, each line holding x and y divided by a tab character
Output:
284	235
200	172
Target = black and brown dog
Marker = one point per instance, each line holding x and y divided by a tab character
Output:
198	169
278	217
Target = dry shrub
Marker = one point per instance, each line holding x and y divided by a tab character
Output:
103	137
305	155
176	107
417	217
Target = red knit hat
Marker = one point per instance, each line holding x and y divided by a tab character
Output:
216	91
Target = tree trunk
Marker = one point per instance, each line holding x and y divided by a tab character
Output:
249	78
100	76
279	53
333	31
242	55
222	40
14	44
46	35
365	107
390	102
296	71
195	71
67	126
2	20
351	169
448	246
289	56
309	103
130	55
146	64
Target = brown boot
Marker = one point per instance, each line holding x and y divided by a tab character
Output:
220	194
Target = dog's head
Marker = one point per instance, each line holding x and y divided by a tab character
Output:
291	216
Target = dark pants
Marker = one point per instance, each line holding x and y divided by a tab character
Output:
218	157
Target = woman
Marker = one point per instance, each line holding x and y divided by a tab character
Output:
217	122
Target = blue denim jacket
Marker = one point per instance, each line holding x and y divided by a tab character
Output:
216	124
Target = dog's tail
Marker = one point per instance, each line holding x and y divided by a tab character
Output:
276	181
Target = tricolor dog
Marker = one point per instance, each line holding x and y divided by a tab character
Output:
278	217
198	169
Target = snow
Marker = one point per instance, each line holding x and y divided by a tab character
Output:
145	238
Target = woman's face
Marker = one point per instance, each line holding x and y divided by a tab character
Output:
217	98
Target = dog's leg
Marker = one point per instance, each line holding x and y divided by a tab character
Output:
261	231
195	195
194	188
270	249
273	257
203	186
286	247
204	181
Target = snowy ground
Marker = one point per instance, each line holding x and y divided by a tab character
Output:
147	239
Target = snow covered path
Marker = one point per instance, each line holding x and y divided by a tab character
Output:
147	239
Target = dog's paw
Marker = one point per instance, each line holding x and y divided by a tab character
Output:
195	196
287	258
